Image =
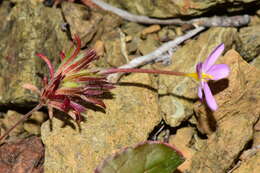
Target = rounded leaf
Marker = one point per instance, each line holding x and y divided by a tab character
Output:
147	157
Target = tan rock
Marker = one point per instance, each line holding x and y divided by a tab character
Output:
254	20
238	98
182	140
166	34
251	165
130	116
82	22
134	31
149	44
150	29
176	93
256	140
10	118
33	125
256	62
113	54
99	47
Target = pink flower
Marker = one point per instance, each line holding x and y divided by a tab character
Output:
208	70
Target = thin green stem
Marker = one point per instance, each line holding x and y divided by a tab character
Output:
135	70
25	117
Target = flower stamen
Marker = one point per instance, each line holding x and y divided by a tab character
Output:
204	76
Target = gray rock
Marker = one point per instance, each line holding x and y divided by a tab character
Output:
30	28
249	47
171	8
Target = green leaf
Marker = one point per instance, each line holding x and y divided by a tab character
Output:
147	157
70	84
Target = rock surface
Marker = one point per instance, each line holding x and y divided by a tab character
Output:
171	8
9	119
232	124
256	62
177	93
25	129
251	165
33	124
95	26
250	42
81	21
29	28
183	140
140	103
130	116
22	156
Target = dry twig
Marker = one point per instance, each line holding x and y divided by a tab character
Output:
158	54
224	21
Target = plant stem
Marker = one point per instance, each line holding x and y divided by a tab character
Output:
25	117
136	70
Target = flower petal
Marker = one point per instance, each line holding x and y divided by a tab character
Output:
212	58
219	71
209	98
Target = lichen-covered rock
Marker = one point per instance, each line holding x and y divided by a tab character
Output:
238	98
177	8
5	8
30	28
130	116
249	47
177	93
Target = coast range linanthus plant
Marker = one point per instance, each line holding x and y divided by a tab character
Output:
205	71
72	84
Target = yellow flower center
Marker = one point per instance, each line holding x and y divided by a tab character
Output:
204	76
